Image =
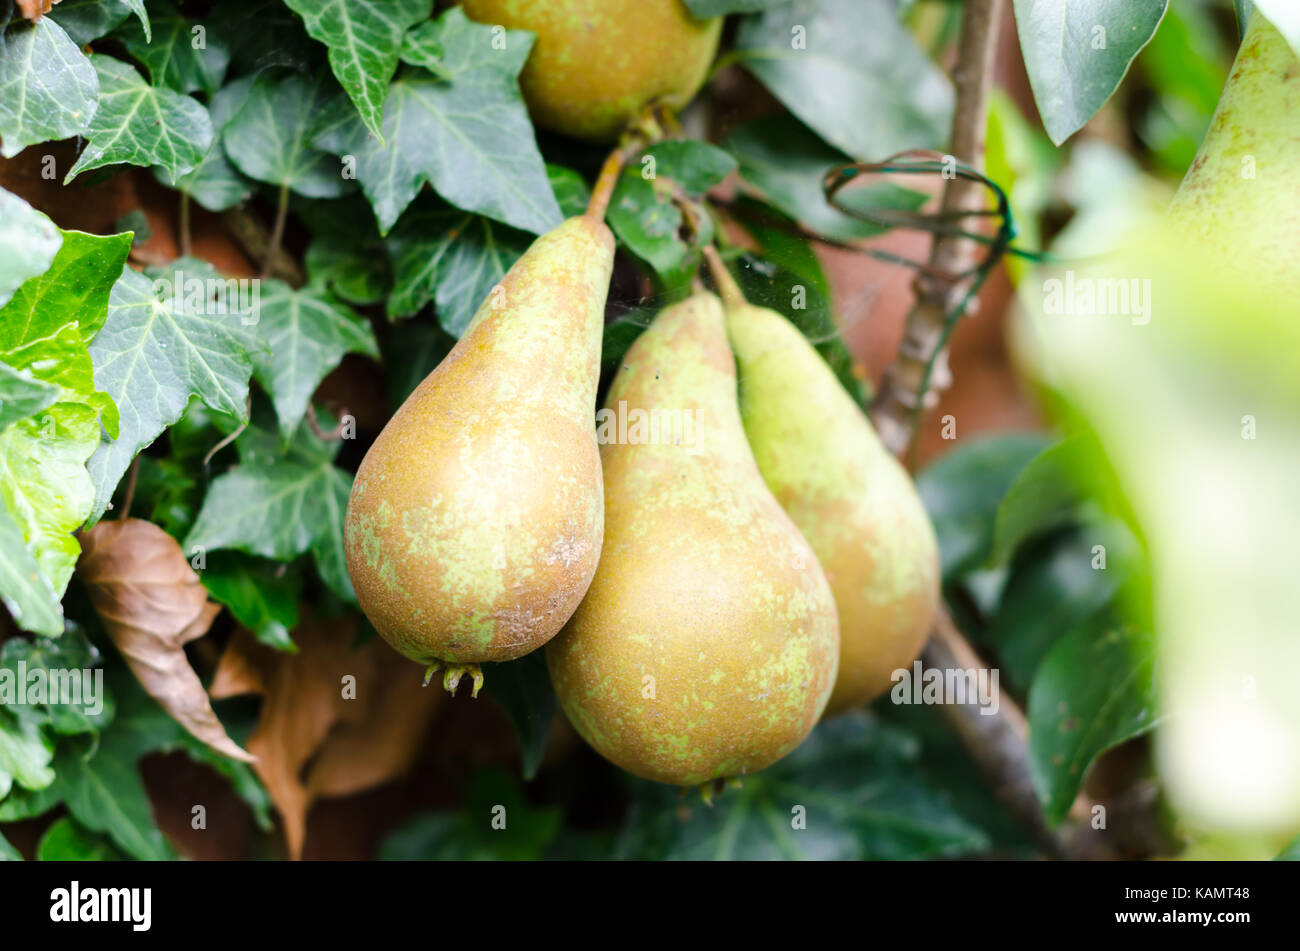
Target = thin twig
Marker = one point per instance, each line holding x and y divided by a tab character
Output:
277	232
130	487
253	237
921	365
183	226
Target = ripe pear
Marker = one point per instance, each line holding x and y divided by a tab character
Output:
706	646
848	495
1240	200
475	521
597	63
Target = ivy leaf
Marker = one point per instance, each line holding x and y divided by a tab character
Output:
785	163
364	38
169	52
267	139
48	89
68	841
858	783
25	754
696	166
307	332
151	357
451	256
1071	74
804	49
214	183
28	243
571	191
262	595
279	508
24	589
469	135
45	486
1095	690
138	124
22	395
87	20
347	253
523	688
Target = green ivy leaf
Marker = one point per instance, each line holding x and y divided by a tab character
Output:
25	754
25	591
169	52
364	38
279	508
87	20
421	47
1046	494
268	138
262	595
855	778
1095	690
67	841
645	219
307	333
451	256
805	49
411	352
214	183
28	243
138	124
347	253
95	709
1071	77
45	486
7	852
469	135
151	357
785	164
570	190
22	394
48	90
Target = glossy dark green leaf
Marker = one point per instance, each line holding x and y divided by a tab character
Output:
88	20
571	191
695	166
262	595
963	489
784	163
67	841
411	352
851	72
139	124
1093	691
523	688
215	183
1077	53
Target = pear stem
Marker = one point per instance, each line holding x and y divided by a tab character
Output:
727	286
603	190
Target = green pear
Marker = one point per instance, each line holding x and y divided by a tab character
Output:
707	643
849	496
475	521
597	63
1241	198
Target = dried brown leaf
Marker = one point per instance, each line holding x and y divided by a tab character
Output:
35	9
151	603
312	741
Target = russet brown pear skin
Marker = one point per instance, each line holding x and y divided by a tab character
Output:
597	63
852	500
707	643
475	521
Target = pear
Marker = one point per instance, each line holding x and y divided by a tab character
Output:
707	643
1240	200
475	520
597	63
848	495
